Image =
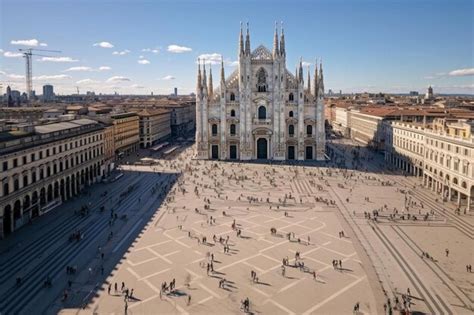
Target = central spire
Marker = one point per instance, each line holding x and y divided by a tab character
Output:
247	41
276	51
282	41
241	40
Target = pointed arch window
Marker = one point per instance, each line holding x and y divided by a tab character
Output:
309	130
232	113
214	129
261	80
291	130
232	97
262	112
291	97
290	114
232	129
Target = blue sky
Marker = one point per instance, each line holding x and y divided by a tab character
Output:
390	46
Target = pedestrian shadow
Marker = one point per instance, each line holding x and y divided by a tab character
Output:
246	237
345	269
219	273
263	283
177	293
134	299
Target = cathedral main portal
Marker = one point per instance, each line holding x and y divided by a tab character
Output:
262	148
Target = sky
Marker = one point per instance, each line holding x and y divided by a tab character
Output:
139	47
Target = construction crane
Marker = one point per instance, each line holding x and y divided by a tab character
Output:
77	89
27	53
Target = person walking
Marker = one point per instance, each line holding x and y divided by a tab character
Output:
110	286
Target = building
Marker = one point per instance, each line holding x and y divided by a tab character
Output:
45	165
126	133
48	93
155	126
176	92
26	114
441	153
429	94
341	119
109	149
367	125
262	110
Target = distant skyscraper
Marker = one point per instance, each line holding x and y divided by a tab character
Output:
9	97
48	93
175	91
429	94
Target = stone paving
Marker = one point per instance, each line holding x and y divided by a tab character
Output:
380	259
171	247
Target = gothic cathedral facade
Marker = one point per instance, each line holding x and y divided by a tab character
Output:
262	110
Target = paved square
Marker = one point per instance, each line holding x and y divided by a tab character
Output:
208	199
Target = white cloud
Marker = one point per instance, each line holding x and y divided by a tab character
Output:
143	62
1	50
141	56
87	81
121	53
137	86
213	59
168	77
58	59
25	42
10	54
305	64
43	45
104	68
2	72
52	77
178	49
81	68
231	63
462	72
152	50
117	79
104	45
15	76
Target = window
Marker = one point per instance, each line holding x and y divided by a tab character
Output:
6	189
290	113
291	130
214	130
25	160
232	113
261	80
54	150
25	181
33	177
16	184
32	157
5	166
262	112
232	97
47	152
309	130
291	97
232	130
15	162
41	155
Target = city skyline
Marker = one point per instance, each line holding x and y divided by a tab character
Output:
138	48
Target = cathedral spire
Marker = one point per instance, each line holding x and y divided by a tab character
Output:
247	41
300	74
199	79
210	88
296	73
204	77
222	71
241	40
309	81
321	78
315	79
276	52
282	41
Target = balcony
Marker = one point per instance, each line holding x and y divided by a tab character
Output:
262	122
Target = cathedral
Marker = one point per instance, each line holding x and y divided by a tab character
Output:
262	110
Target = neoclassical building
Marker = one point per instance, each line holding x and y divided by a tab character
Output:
262	110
